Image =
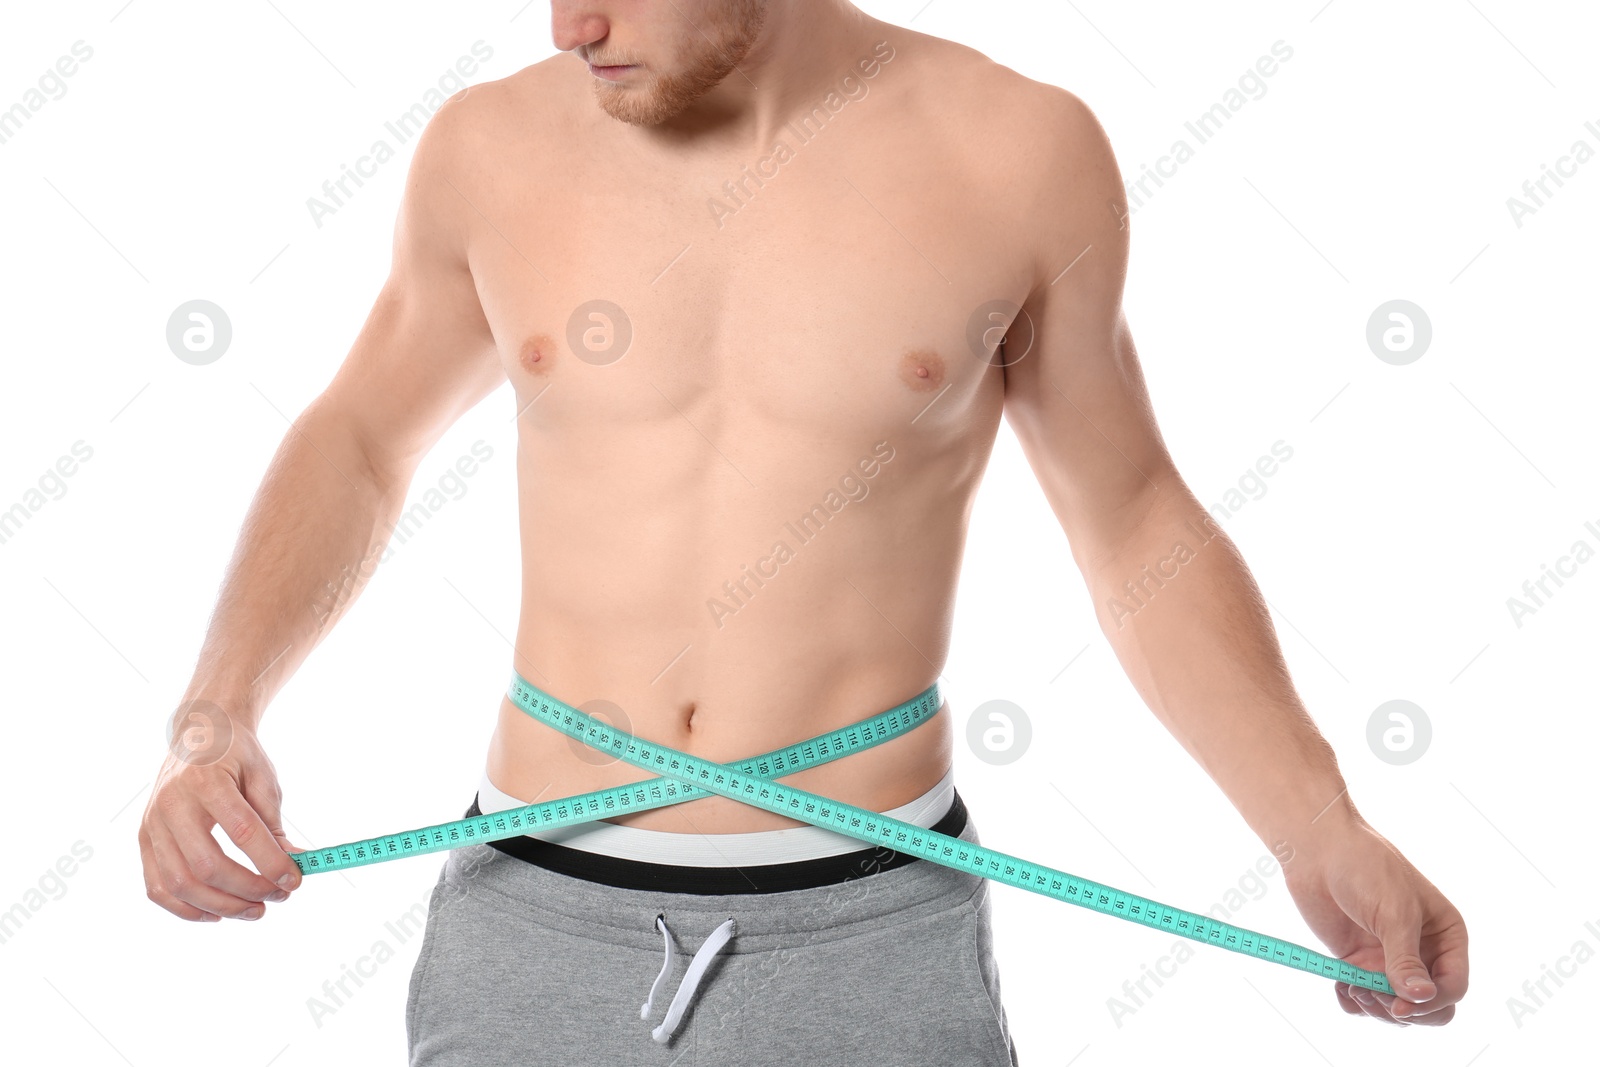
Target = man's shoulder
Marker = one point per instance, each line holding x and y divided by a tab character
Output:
1036	148
968	84
522	102
477	132
1065	166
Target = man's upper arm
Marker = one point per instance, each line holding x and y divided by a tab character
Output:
426	354
1077	399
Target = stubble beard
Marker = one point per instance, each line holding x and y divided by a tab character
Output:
669	94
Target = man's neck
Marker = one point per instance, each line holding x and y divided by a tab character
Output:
803	49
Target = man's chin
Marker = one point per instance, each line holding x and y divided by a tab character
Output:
633	106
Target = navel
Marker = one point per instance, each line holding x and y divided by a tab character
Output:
537	354
922	369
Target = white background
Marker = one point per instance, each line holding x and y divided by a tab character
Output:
1419	498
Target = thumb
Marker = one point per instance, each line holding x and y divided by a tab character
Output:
1402	961
284	843
265	799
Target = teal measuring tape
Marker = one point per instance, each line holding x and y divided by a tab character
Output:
618	800
684	777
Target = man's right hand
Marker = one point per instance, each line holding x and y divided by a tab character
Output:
226	781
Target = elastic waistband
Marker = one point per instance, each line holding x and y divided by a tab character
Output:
624	873
910	889
751	849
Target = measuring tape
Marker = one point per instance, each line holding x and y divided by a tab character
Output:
685	777
618	800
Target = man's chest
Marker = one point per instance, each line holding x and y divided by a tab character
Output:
828	290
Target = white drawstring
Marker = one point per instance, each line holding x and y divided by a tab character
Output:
714	943
666	965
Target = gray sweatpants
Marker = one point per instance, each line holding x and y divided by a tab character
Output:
523	965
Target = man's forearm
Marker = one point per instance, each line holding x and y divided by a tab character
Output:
308	544
1192	631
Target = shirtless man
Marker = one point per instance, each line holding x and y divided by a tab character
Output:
734	256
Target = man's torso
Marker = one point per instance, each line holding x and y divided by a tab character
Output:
745	477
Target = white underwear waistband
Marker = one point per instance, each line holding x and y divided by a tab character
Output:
719	850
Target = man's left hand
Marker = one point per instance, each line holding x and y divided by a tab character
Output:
1373	909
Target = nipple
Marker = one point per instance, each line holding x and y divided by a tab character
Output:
922	370
537	354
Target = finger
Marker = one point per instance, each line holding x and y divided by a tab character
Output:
1365	1001
157	891
1401	936
179	908
1432	1018
183	882
1403	1011
217	869
1368	1002
1420	1014
1387	1003
254	822
1347	1003
172	874
1446	955
288	846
